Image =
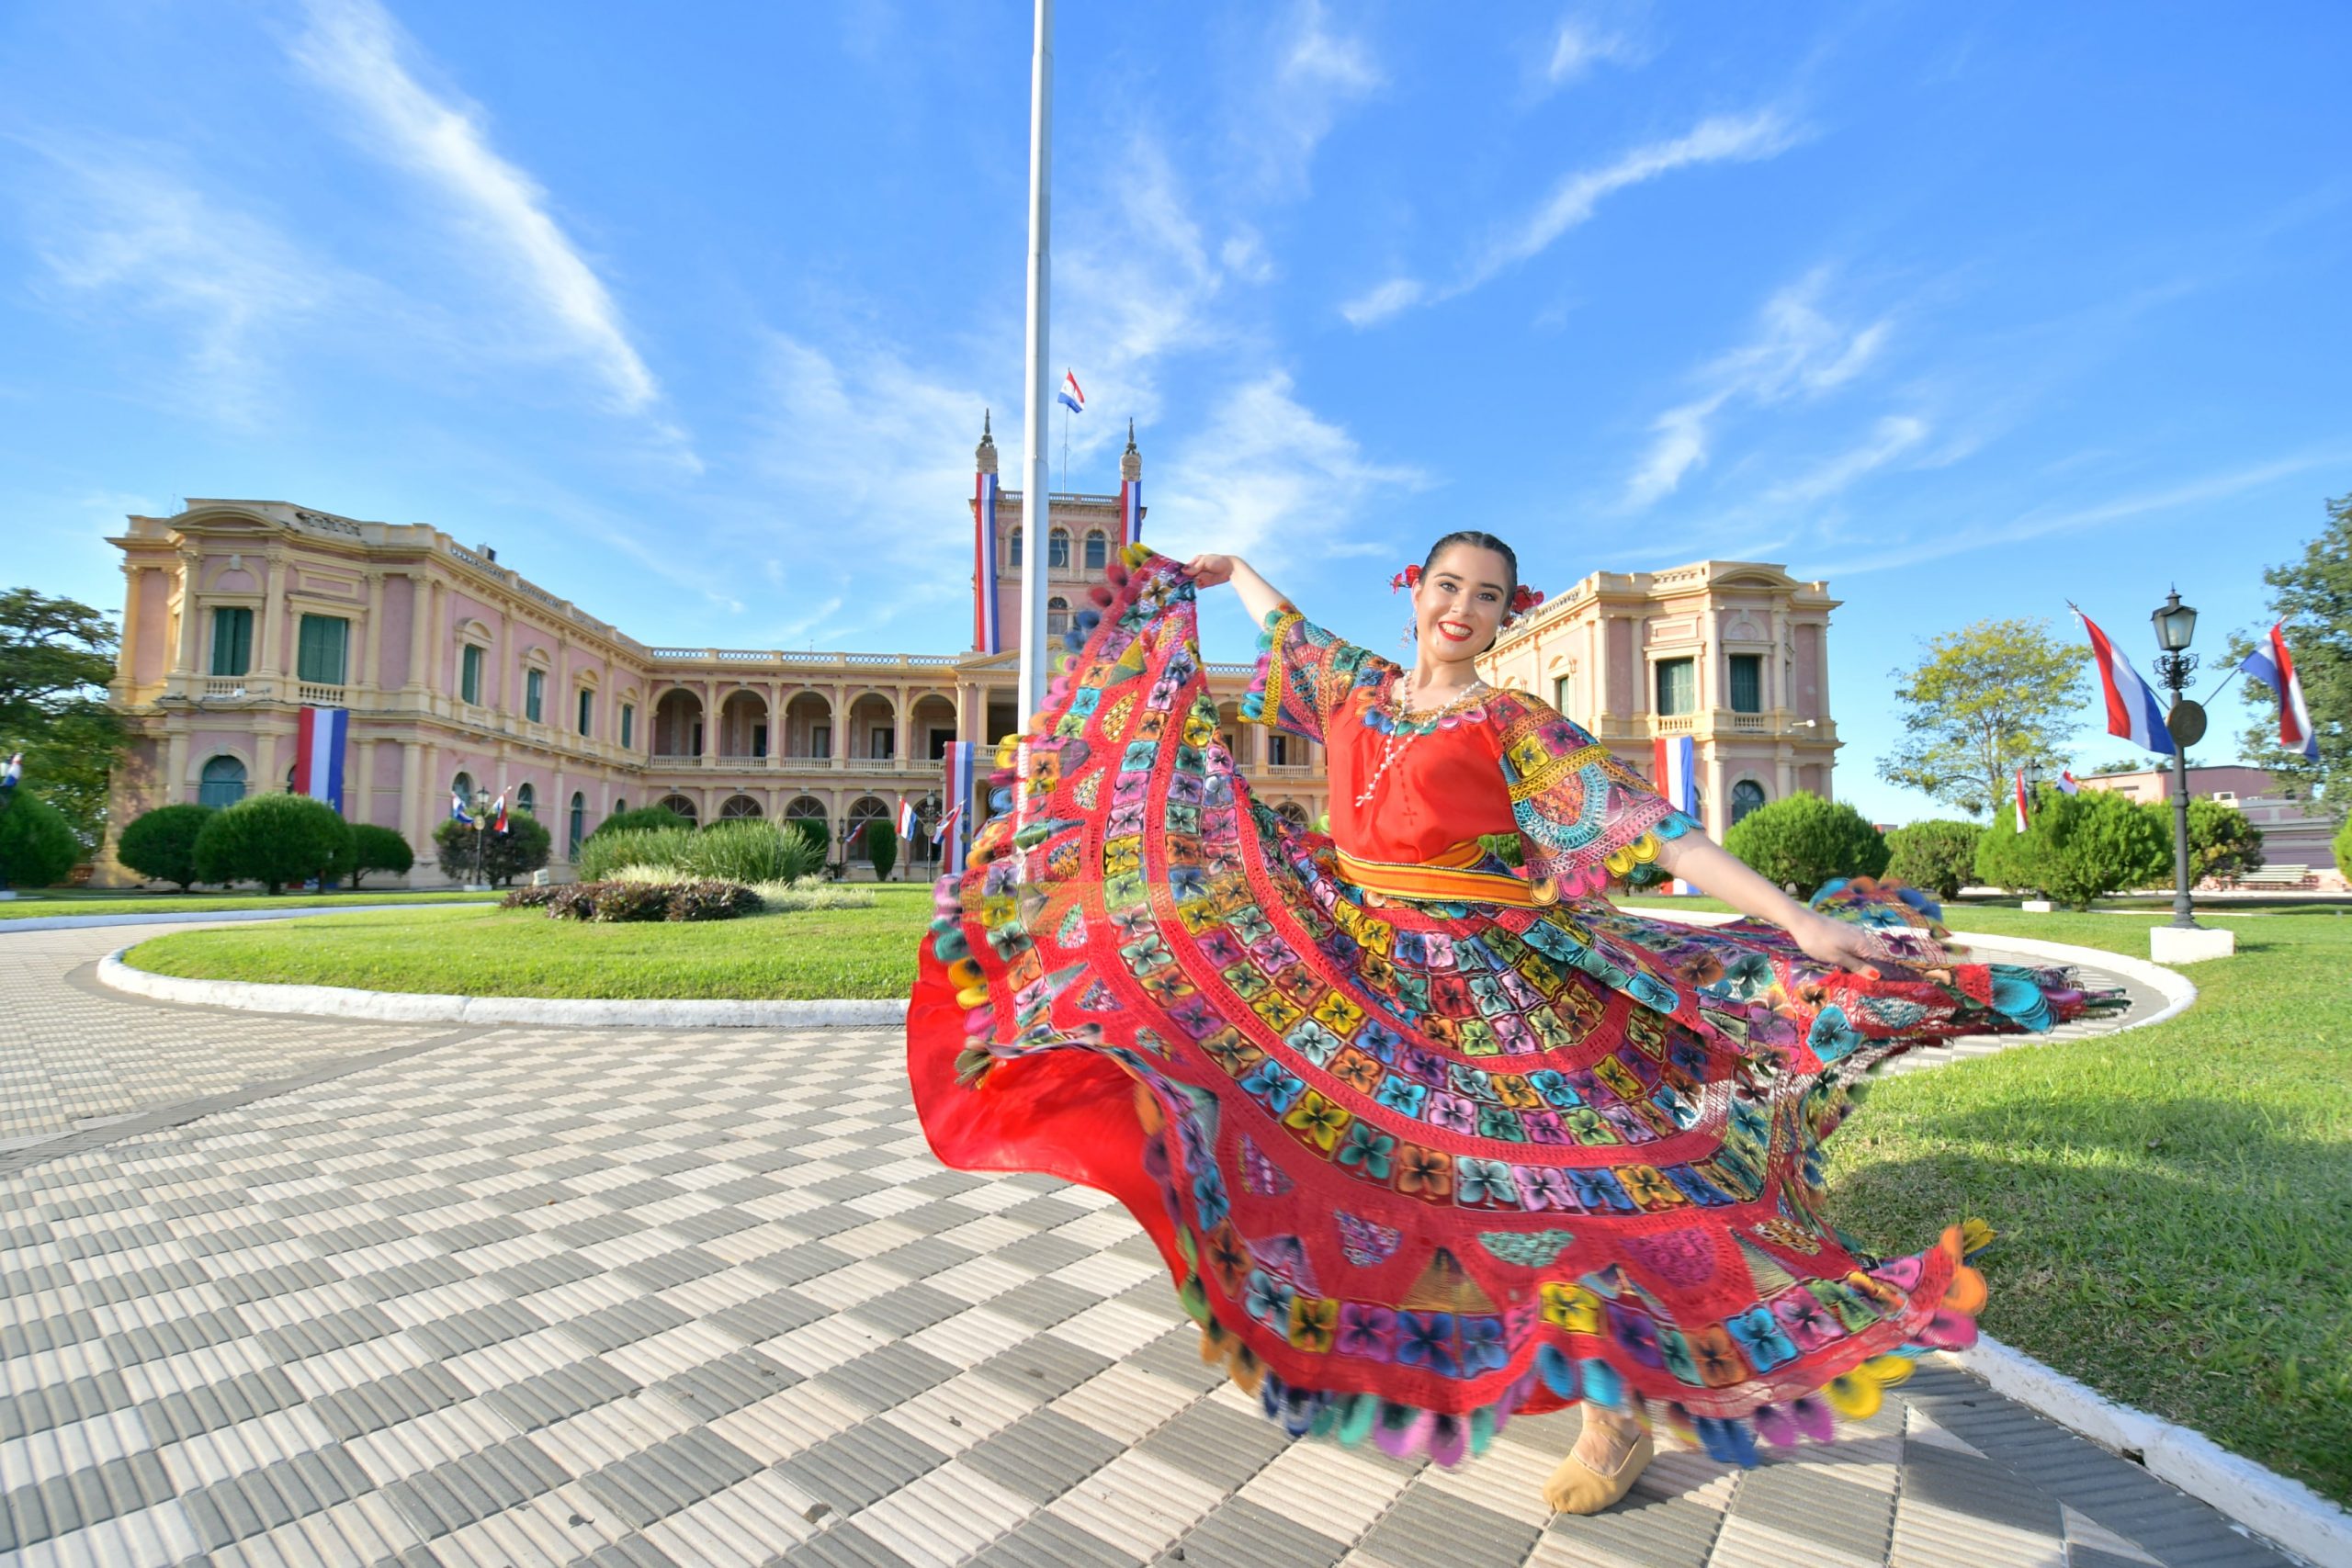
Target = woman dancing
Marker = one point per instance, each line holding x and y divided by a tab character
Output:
1426	1139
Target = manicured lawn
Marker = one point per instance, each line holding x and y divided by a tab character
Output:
27	906
2174	1204
521	953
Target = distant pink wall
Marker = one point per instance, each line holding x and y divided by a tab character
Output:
1808	701
395	631
153	609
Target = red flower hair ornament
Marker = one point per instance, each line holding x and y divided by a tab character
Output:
1522	598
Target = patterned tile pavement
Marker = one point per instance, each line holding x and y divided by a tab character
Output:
350	1293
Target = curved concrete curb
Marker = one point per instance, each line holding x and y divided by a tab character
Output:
409	1007
2281	1510
222	917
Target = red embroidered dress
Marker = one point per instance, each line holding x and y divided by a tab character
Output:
1423	1141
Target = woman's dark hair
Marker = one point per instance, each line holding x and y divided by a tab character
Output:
1478	541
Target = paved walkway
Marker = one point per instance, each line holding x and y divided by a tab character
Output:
340	1292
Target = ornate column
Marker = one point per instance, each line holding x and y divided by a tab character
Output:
899	754
191	583
126	662
840	729
272	620
711	724
364	788
175	764
412	795
420	634
371	673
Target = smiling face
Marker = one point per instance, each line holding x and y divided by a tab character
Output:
1459	606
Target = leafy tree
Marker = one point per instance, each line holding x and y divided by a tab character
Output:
1803	841
272	838
37	844
644	818
2314	597
811	830
2077	848
160	845
1939	856
521	850
881	848
56	657
2344	848
1988	699
378	849
2222	840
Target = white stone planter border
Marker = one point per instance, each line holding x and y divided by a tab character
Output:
2280	1509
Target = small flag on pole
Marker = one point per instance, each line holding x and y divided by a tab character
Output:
2275	668
947	820
905	820
319	737
13	772
1070	396
2067	784
2131	710
954	823
457	812
2020	800
498	816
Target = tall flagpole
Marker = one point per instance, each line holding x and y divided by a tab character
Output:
1034	457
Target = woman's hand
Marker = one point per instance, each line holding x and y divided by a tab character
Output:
1838	943
1212	571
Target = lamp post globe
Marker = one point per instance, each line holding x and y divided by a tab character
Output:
2175	624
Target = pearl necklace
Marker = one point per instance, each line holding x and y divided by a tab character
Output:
1401	722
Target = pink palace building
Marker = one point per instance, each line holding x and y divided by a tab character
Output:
459	672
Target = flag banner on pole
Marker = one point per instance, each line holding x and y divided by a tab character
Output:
1130	512
2271	664
319	737
955	822
2131	708
15	771
905	820
987	634
498	816
1675	765
945	825
2020	800
457	812
2067	784
1071	397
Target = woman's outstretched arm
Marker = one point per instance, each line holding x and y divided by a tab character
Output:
1260	597
1715	871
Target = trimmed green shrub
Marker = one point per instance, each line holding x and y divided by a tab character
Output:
1803	841
272	840
521	850
378	849
2222	840
2078	847
642	819
38	844
745	851
2344	846
814	832
160	845
881	848
1939	856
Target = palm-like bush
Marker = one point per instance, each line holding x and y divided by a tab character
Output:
746	853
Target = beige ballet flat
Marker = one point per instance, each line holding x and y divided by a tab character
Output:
1576	1488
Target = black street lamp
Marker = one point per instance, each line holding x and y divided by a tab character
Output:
482	830
2176	624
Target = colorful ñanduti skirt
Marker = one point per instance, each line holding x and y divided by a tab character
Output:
1415	1166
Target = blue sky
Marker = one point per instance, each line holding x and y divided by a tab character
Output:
692	313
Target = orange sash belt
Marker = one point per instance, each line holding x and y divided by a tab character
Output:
1452	877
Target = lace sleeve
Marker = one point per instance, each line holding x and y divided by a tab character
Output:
1586	819
1304	676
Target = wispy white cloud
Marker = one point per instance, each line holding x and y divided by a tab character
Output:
1799	352
1267	477
356	51
1317	74
1582	41
1720	139
124	224
1893	436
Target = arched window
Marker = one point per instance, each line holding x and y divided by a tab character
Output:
1746	796
1017	546
680	805
1293	813
1057	616
1098	550
1058	548
736	807
579	830
620	805
223	783
527	800
462	788
810	811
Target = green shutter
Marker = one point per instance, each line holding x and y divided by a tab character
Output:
470	676
233	641
587	707
320	649
534	695
628	724
1746	683
1678	690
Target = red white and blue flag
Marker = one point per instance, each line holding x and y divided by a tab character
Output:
319	738
905	820
2275	666
987	633
1676	771
955	822
498	815
457	812
2132	709
13	772
2067	784
1071	397
945	824
1130	512
2020	800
